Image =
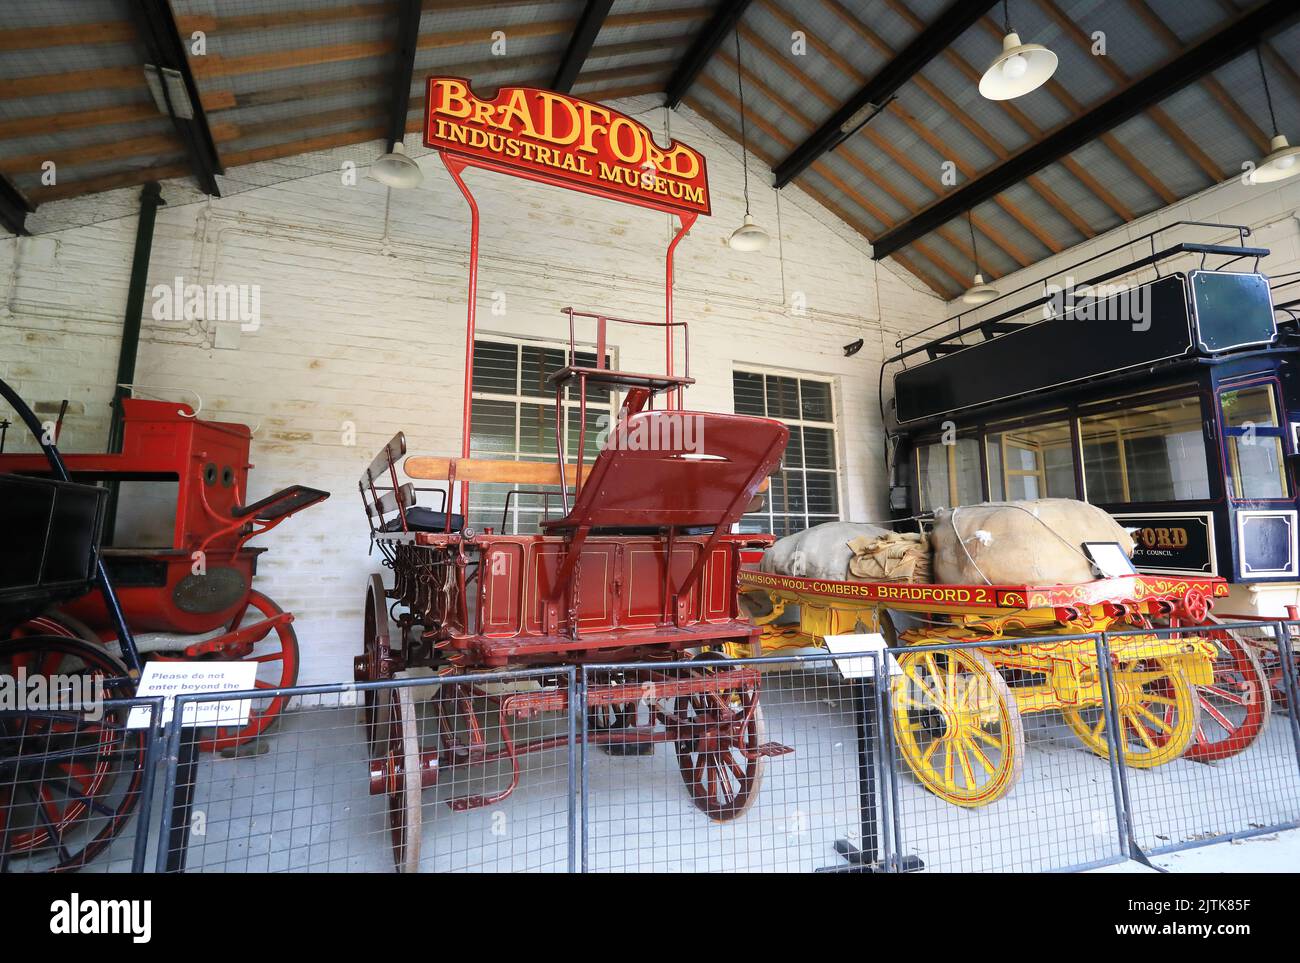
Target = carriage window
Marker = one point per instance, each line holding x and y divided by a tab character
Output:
805	492
1147	453
1254	443
949	475
513	411
1033	462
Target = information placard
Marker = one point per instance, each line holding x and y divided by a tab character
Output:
170	679
850	658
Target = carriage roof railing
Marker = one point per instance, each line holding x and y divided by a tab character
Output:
1002	323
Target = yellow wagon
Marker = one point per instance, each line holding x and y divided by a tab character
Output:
957	712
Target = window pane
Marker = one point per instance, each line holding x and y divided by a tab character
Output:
818	448
1249	406
495	367
597	421
805	491
933	476
537	429
793	457
748	390
1257	466
823	499
782	397
967	457
1148	453
997	488
787	492
493	426
1033	462
816	399
538	364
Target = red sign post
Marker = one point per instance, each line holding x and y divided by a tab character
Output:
556	139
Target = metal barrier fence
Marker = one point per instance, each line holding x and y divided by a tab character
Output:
1054	753
987	768
413	773
1239	775
77	784
773	770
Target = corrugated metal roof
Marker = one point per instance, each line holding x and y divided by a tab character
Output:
282	81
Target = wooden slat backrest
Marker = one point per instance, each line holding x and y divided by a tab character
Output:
388	455
390	501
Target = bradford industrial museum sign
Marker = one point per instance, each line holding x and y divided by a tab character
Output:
563	140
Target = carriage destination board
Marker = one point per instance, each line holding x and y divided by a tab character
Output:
561	140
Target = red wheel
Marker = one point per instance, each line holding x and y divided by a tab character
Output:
1236	707
718	738
401	755
68	780
277	658
57	623
373	664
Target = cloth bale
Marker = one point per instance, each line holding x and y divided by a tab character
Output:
894	557
1035	542
818	552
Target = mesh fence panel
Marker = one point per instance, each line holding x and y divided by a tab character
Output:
754	768
417	774
990	772
75	785
1210	753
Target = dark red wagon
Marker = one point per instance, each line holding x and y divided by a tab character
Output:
641	565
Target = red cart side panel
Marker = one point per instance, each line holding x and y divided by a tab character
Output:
620	584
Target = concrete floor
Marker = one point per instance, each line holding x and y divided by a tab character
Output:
303	804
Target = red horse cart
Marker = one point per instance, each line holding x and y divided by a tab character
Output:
186	593
640	565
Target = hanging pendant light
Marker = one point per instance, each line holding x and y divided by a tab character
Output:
1020	68
395	169
1282	160
980	292
749	236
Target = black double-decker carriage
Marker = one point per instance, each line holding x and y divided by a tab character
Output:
1163	389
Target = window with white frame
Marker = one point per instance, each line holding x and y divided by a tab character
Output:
806	491
513	417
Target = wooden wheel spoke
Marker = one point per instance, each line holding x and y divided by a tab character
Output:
1213	712
1135	724
1160	724
967	773
930	751
1235	698
980	732
980	755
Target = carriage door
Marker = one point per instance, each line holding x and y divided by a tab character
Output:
1258	485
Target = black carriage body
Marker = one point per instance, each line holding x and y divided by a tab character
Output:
1182	424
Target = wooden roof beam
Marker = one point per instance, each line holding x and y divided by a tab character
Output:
725	17
931	41
1197	60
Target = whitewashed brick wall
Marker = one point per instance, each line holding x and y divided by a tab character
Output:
363	321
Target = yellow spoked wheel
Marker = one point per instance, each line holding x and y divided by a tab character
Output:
957	726
1158	712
